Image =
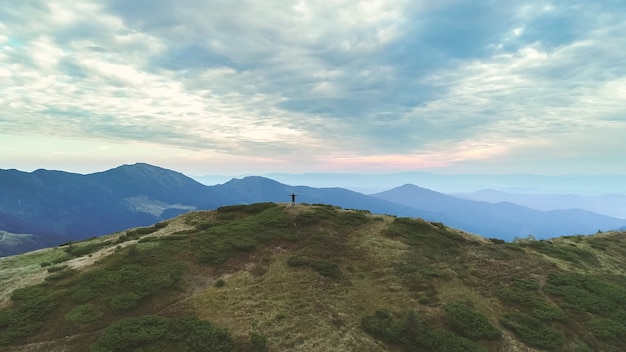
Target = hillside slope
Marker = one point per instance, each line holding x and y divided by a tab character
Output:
314	278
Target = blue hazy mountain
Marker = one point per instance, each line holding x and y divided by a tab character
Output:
255	189
502	220
47	208
57	206
607	204
458	183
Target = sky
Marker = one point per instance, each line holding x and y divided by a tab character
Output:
252	87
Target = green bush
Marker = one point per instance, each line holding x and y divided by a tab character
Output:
124	301
142	231
77	250
61	274
584	293
444	341
515	296
124	284
83	295
524	295
31	306
526	284
323	267
297	261
258	342
608	329
213	255
83	314
570	254
469	323
326	268
532	331
385	326
54	269
231	209
408	332
546	311
181	334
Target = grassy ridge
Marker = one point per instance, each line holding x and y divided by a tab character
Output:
316	278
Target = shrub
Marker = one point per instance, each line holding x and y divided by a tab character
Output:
532	331
608	329
526	284
153	333
83	295
212	255
408	331
326	268
323	267
61	274
83	314
546	311
258	342
31	305
583	293
124	301
383	325
142	231
469	323
571	254
297	261
77	250
447	342
130	332
53	269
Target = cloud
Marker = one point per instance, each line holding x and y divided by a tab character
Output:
437	81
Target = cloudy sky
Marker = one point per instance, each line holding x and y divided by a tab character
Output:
245	86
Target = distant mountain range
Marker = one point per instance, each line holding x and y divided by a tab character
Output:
501	220
54	207
608	204
449	183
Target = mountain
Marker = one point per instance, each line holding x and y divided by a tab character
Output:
53	207
56	206
254	189
501	220
274	277
608	204
47	208
460	183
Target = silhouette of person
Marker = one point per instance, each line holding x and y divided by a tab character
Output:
293	198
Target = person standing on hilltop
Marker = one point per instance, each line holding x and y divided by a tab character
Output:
293	198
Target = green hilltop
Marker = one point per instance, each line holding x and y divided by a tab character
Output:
275	277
